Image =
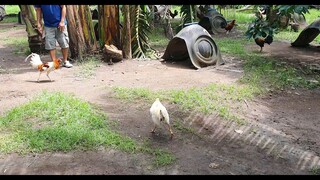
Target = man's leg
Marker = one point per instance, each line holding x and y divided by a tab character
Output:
63	40
64	52
52	53
51	41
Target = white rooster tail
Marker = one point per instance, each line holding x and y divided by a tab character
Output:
35	60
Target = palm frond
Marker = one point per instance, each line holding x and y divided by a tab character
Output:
141	29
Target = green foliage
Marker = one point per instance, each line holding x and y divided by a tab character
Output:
290	9
186	12
141	29
263	73
259	28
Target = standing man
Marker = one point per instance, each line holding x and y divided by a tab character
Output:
55	24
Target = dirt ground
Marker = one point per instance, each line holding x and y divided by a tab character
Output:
281	136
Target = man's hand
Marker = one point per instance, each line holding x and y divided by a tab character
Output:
39	26
61	26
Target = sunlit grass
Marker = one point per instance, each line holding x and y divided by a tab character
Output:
157	38
215	98
19	45
133	93
8	19
313	15
264	72
54	121
12	9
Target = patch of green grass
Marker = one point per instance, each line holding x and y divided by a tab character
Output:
263	73
10	19
233	46
292	36
12	9
213	98
54	121
88	66
163	158
19	44
219	98
312	15
287	35
157	38
181	127
132	94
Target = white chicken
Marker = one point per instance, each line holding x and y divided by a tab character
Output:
43	67
159	113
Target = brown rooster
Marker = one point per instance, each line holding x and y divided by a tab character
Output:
43	67
230	26
260	41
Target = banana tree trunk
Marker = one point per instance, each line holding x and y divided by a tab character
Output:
35	40
77	45
126	33
109	30
87	27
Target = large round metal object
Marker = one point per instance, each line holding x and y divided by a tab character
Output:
195	43
2	12
308	34
213	22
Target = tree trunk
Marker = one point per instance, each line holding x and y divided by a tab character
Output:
112	54
274	17
167	25
126	33
77	45
109	25
87	27
36	42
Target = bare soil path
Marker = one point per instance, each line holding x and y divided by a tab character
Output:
281	137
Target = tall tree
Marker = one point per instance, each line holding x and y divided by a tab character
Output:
109	29
77	45
87	27
126	33
35	40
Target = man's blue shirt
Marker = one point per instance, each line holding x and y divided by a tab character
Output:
51	15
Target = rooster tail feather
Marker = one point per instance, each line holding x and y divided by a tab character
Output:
25	60
165	115
269	39
35	60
